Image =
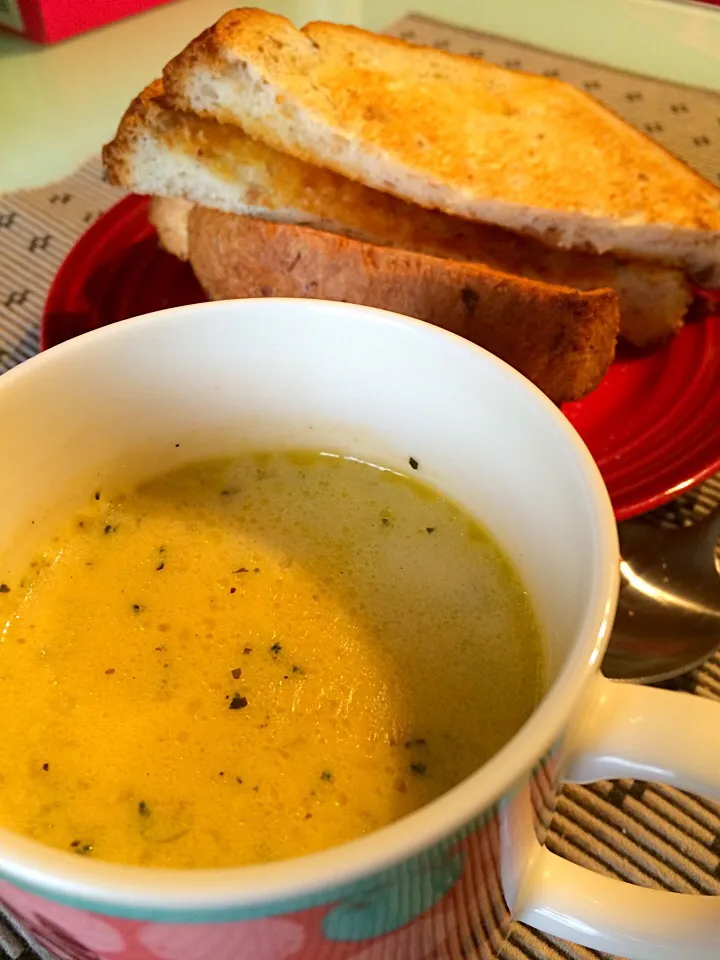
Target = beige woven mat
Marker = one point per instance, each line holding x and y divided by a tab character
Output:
647	834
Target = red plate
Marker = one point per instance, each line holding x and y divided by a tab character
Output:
653	424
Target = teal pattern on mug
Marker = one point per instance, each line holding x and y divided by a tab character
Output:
383	904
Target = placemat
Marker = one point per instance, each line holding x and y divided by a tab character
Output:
644	833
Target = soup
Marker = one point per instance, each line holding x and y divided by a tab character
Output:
253	659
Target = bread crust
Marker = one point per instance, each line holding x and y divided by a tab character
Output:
117	156
561	339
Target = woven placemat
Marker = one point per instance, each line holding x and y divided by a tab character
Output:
647	834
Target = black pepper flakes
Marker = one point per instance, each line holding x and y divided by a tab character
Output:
247	650
238	702
143	809
326	775
430	529
109	528
97	494
297	669
233	589
241	570
46	767
110	671
4	588
137	608
160	566
419	769
413	463
237	673
275	649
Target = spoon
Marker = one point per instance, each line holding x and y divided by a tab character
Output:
668	616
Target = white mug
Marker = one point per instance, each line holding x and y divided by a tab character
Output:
147	394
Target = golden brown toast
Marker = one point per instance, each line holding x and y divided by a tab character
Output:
169	216
563	340
529	153
166	152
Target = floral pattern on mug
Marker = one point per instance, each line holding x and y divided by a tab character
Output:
469	919
445	901
269	939
419	941
65	932
385	903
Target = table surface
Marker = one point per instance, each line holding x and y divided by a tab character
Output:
58	104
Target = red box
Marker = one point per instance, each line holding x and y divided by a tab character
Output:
47	21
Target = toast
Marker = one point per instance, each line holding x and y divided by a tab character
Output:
169	153
529	153
563	340
169	216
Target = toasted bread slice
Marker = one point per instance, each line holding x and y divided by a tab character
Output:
162	151
563	340
169	216
529	153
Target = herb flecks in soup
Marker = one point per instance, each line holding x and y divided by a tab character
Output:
254	659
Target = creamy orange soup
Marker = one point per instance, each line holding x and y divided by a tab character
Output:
254	659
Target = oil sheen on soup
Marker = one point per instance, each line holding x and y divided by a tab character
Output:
257	658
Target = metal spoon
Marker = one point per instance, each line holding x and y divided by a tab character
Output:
668	618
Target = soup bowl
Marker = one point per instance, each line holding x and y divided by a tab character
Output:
152	393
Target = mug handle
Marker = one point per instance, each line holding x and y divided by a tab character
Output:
628	731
